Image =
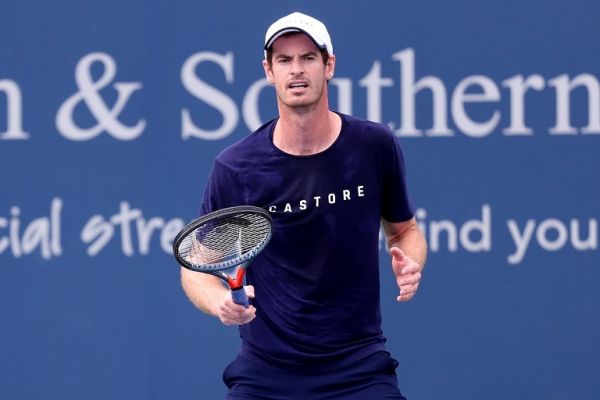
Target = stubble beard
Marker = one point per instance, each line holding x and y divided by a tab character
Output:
303	106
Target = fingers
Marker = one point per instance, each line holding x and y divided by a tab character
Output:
407	293
397	254
399	260
409	278
408	285
403	264
237	314
408	274
410	268
231	313
249	291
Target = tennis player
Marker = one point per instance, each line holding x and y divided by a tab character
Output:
330	181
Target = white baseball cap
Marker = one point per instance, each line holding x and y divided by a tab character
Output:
298	22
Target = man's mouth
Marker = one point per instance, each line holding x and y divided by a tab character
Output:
298	85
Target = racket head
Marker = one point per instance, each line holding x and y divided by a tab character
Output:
223	239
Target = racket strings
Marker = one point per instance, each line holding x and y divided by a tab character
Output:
232	238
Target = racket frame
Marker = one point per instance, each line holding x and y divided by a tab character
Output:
232	271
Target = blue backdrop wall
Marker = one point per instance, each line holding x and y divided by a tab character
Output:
497	105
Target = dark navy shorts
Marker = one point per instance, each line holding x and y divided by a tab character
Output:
372	378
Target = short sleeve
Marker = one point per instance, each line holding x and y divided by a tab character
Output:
396	205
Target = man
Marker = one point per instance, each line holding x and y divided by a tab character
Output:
329	180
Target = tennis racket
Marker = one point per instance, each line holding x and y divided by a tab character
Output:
223	243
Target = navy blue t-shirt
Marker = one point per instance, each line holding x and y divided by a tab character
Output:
317	281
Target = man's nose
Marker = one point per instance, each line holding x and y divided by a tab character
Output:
297	67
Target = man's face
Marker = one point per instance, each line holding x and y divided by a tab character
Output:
298	72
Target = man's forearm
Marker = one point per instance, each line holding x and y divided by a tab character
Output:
408	237
203	290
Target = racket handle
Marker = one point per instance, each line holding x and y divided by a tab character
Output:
239	296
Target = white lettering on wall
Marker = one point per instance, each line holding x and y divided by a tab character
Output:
210	95
460	96
518	87
134	234
14	117
344	87
373	82
551	234
23	238
89	92
564	86
408	90
130	224
250	104
455	234
449	106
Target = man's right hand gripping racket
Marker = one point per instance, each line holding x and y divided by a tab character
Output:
222	243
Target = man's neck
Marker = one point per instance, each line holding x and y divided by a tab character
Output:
306	133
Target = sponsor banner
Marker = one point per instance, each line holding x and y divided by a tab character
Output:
104	104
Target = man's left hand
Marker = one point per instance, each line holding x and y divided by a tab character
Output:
407	272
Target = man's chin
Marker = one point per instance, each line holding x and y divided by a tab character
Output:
300	103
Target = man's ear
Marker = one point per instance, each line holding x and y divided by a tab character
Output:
330	67
268	72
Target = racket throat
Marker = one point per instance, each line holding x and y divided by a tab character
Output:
237	282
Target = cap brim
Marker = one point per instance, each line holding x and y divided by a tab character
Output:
283	31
